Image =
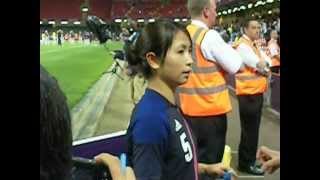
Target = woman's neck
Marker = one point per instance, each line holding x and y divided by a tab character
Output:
162	88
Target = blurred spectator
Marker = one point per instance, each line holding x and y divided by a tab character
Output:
56	136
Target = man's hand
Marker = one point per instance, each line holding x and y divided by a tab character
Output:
261	65
263	68
270	159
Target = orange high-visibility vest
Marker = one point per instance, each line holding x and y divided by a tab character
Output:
249	82
205	93
275	61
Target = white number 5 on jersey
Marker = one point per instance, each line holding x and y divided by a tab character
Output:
186	147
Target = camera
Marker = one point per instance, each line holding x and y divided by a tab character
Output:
99	28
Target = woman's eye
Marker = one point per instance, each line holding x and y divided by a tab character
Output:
180	52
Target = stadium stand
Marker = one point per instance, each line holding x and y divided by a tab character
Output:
59	9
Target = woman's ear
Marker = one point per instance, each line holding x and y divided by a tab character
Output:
152	60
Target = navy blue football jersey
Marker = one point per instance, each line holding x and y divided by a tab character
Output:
160	143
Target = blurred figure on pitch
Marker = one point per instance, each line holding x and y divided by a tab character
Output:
60	34
53	38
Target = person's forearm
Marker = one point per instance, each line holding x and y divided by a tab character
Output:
248	59
202	168
116	173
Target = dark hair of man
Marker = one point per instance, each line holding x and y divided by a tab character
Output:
247	21
55	130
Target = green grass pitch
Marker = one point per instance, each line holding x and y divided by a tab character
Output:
77	66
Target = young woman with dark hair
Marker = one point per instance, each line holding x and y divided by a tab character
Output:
160	142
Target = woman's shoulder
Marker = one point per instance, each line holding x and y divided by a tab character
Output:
150	122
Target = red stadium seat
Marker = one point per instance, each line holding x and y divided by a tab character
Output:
60	9
101	8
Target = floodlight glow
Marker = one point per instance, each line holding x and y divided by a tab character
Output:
258	3
176	20
118	20
85	9
51	22
235	9
77	22
140	20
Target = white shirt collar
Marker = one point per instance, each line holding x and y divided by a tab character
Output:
199	23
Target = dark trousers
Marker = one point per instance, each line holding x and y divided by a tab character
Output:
275	69
210	135
250	108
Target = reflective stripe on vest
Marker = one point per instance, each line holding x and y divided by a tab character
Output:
248	77
194	38
204	70
205	93
202	91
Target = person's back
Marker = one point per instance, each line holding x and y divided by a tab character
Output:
204	98
205	75
213	58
